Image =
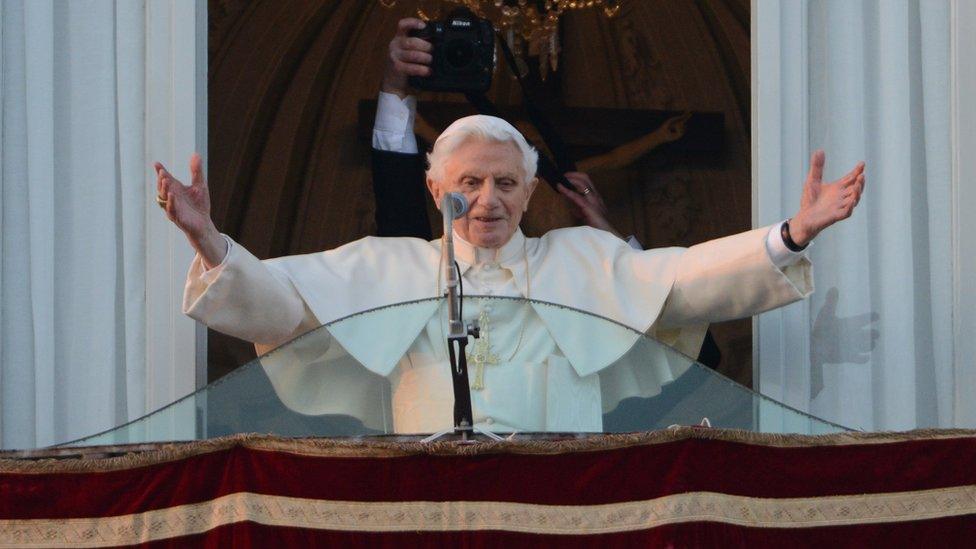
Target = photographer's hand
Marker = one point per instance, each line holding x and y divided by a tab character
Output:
409	56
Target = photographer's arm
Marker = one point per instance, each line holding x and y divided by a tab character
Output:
395	107
399	192
398	168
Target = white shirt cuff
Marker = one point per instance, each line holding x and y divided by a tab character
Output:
210	275
634	243
780	255
393	128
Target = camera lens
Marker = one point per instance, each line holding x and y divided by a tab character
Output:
458	54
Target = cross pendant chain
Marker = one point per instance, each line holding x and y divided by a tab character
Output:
481	354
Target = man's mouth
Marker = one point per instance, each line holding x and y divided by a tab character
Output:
487	218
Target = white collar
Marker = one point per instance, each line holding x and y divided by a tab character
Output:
510	253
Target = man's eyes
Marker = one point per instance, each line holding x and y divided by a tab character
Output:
504	183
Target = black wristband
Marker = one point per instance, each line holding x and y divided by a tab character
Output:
784	231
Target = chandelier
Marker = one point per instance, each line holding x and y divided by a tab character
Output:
530	27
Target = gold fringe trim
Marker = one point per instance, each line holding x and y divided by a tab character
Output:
406	446
455	516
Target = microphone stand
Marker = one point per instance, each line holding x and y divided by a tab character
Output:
458	332
453	205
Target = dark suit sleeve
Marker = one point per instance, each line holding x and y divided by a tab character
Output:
401	196
710	355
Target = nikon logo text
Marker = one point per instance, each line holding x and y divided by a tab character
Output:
460	23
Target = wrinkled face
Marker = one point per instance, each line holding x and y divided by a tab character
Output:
489	175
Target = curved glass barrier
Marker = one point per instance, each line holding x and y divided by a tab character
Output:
537	368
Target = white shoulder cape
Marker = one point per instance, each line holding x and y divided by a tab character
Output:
582	268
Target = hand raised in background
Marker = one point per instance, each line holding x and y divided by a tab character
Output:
590	206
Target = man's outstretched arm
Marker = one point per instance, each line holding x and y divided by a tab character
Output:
752	272
227	288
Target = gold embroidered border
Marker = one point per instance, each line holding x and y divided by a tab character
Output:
451	516
382	448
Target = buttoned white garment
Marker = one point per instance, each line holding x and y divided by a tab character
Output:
525	390
533	387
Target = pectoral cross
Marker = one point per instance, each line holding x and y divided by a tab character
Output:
481	354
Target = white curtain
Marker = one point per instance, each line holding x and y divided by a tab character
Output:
73	214
865	79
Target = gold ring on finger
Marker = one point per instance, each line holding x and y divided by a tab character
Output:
161	201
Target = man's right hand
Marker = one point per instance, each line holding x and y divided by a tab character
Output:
409	56
189	209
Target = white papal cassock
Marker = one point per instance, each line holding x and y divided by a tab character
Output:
553	370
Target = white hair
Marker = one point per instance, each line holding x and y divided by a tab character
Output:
485	128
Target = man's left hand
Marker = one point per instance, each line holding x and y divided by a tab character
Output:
824	204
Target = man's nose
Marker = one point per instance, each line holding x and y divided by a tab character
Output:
489	193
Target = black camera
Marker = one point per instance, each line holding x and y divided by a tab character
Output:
464	54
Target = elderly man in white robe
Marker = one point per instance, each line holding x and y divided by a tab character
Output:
547	372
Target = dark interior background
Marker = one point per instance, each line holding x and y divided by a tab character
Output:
290	83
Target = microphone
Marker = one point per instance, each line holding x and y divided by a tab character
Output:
454	205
